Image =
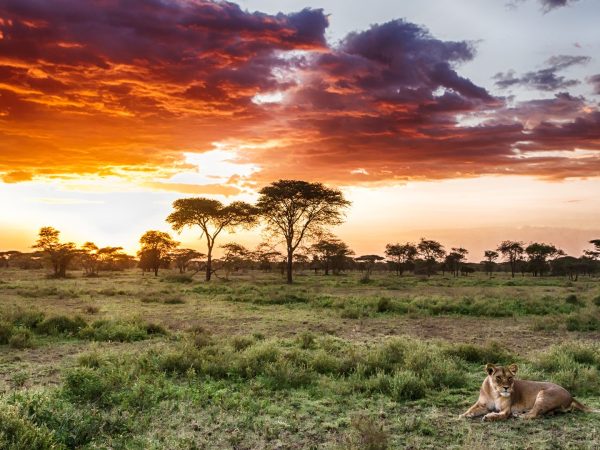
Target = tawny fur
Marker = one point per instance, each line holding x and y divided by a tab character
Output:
502	396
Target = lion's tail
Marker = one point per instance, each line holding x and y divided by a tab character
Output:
581	407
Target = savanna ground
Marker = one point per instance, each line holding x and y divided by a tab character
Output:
127	360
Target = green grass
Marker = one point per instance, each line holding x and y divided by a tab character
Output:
131	361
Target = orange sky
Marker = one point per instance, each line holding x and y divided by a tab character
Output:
103	102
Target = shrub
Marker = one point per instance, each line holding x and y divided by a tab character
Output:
384	304
406	385
240	343
572	299
56	325
155	328
596	300
27	319
491	352
104	330
18	433
20	338
6	330
583	322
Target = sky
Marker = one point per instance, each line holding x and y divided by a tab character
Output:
467	121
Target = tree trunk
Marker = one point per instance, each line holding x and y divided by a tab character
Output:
290	256
209	263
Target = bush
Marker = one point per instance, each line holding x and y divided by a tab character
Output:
491	352
155	328
384	304
20	338
583	322
406	385
572	299
56	325
596	300
575	366
27	319
18	433
104	330
6	330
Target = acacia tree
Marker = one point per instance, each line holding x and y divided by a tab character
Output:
59	254
539	254
212	217
431	251
401	255
368	262
512	251
296	210
490	259
182	257
455	259
156	246
331	252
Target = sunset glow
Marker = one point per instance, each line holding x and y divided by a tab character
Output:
111	110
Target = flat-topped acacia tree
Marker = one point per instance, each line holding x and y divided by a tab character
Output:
212	217
295	210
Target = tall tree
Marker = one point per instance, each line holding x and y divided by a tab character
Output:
512	251
156	246
431	251
490	260
455	258
401	255
212	217
539	254
296	210
331	253
59	254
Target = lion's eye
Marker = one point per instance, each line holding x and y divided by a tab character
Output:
510	380
498	379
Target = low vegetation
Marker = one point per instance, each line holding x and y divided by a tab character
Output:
246	363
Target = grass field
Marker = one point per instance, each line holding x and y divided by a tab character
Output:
127	360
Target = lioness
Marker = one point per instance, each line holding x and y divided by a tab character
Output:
501	395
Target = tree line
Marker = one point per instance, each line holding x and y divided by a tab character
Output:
295	216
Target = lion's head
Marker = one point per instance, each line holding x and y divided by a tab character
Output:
502	378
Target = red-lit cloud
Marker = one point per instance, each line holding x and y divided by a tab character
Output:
124	88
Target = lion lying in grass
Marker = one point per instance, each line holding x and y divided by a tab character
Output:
502	396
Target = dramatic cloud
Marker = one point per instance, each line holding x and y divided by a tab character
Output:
129	88
545	79
89	86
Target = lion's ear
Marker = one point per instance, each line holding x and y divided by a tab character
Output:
489	368
513	368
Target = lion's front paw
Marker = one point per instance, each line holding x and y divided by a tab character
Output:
490	417
465	416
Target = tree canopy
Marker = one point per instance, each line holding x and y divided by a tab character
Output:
212	217
296	210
